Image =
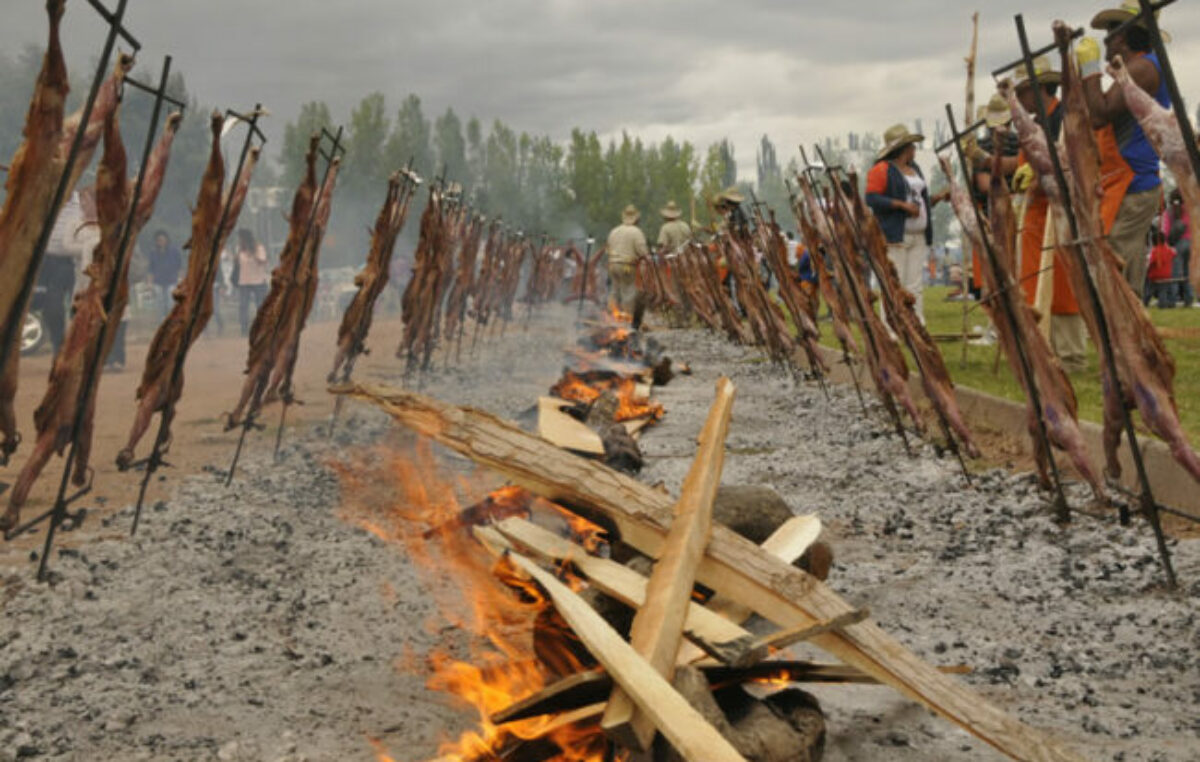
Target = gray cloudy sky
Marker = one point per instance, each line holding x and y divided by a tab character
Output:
698	70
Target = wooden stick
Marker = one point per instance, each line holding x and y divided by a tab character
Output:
968	258
777	591
658	624
610	577
689	733
793	635
787	543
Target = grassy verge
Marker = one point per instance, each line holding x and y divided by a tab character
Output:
1180	328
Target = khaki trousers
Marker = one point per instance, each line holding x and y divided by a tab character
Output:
1068	337
623	280
1128	235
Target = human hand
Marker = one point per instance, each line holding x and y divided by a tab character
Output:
1087	55
1023	178
911	209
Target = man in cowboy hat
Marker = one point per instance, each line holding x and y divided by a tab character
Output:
1128	163
1068	333
899	196
626	243
674	231
729	204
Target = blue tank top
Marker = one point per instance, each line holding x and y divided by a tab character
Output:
1135	146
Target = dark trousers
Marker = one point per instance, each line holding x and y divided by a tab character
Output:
246	295
58	276
1164	292
1182	268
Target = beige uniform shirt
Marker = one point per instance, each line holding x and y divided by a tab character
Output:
674	234
625	244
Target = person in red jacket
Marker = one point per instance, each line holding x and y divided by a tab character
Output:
1162	259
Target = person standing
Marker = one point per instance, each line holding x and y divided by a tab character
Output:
1176	226
626	243
1159	284
899	196
674	232
250	276
1128	164
165	264
65	254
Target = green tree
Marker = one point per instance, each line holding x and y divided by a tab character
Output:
313	116
365	167
452	147
411	139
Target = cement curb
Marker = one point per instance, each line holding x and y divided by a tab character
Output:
1173	486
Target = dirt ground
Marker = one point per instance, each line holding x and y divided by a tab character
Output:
257	624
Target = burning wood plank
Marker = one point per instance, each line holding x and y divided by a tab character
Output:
688	732
784	594
658	624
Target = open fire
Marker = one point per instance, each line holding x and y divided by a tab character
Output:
484	596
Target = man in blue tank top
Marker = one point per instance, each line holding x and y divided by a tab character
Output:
1129	166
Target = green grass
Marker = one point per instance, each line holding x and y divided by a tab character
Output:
1181	333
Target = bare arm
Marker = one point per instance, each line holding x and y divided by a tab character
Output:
1107	106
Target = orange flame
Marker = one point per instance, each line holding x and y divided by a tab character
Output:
493	601
588	386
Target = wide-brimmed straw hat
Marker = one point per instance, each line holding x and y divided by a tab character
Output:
1111	17
996	113
671	211
630	215
898	136
731	195
1043	73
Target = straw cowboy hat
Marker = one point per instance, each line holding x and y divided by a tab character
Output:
1043	74
897	136
1111	17
631	215
671	211
996	113
731	196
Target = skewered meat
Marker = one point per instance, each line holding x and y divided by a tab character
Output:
420	297
1057	397
32	176
889	371
264	336
193	296
775	249
300	298
356	322
1162	129
1145	369
831	290
900	306
55	416
464	283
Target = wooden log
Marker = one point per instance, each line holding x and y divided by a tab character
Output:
562	430
777	591
787	543
658	625
682	725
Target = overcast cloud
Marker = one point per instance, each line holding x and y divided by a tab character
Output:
699	70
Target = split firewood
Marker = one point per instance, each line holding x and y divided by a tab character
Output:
788	543
740	654
684	727
733	565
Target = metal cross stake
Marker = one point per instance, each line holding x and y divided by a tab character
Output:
58	513
162	440
1062	508
847	262
891	306
335	151
845	350
13	322
1149	506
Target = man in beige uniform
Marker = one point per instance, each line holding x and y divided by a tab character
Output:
626	243
675	232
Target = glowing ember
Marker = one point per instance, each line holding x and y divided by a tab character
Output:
492	600
588	386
